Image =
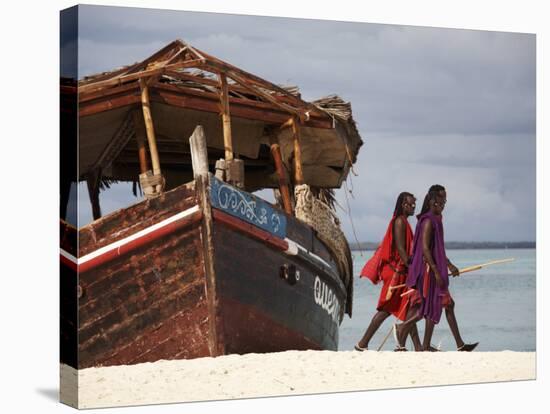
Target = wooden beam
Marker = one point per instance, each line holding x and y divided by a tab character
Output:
132	87
283	182
226	118
298	173
234	88
136	66
226	67
108	104
94	86
257	91
216	344
193	99
199	152
149	128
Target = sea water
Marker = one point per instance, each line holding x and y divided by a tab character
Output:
495	305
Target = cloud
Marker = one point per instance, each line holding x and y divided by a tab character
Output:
433	105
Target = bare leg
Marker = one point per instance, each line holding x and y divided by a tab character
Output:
403	329
428	334
375	323
453	324
415	338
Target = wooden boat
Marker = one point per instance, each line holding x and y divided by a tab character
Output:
202	266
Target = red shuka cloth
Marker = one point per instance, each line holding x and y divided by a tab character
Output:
386	265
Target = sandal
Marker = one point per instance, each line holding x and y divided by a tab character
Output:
358	348
400	349
467	347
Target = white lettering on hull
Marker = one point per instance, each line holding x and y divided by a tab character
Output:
326	298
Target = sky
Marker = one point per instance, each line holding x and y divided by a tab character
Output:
433	106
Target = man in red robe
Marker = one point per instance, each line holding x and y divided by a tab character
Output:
389	264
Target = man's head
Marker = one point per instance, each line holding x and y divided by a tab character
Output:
435	200
438	198
438	201
405	204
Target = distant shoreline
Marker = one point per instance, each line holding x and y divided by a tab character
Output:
460	245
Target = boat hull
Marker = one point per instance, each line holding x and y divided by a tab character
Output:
180	277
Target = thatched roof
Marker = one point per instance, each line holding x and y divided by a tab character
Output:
184	92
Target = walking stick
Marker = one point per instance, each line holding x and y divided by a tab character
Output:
469	269
385	339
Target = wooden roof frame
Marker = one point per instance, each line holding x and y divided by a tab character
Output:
109	90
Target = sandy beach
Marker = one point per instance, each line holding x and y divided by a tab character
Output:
286	373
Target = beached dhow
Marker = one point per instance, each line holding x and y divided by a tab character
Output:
201	266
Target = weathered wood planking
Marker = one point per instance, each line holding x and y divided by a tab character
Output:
256	302
146	306
123	223
68	311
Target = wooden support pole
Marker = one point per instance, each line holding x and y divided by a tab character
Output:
226	118
146	107
298	173
93	180
283	182
199	152
139	127
287	124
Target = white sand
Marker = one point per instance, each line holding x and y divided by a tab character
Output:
287	373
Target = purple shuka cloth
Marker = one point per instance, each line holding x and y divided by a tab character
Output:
431	306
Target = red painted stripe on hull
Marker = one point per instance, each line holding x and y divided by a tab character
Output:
67	262
136	243
249	229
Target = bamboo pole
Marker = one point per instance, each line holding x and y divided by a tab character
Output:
140	138
283	182
146	107
298	173
470	269
226	118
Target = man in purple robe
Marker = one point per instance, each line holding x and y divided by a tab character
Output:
428	275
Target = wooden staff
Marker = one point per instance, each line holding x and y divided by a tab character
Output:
398	286
226	118
385	338
392	288
469	269
477	267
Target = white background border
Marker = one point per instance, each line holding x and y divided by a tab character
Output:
29	204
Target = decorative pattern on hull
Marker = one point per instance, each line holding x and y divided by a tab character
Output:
247	207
